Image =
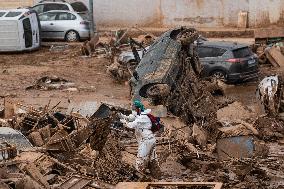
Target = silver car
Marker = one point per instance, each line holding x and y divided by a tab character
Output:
65	25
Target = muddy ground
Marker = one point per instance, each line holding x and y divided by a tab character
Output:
19	71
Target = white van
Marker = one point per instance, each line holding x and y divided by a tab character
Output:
19	30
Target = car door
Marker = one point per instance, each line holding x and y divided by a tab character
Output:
47	21
210	58
64	22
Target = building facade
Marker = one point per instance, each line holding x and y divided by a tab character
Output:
169	13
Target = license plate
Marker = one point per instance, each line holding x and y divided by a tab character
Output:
250	62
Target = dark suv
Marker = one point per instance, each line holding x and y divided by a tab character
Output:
232	62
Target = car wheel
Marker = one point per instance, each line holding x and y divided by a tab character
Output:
72	36
219	75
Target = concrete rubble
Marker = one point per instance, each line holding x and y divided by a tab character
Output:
209	141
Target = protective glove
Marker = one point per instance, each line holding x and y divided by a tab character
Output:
121	116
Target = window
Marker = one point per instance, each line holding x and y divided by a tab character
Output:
217	52
38	8
85	16
2	14
65	16
242	52
51	6
13	14
79	7
204	52
50	16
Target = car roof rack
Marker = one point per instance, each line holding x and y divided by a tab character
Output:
52	1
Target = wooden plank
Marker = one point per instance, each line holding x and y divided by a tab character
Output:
75	182
146	185
277	56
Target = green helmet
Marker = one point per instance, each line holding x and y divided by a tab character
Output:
138	104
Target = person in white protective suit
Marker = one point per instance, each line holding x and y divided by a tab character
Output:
146	156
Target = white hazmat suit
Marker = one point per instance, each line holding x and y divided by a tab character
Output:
145	138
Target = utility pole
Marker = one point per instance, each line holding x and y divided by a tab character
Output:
91	13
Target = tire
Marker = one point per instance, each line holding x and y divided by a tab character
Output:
220	75
72	36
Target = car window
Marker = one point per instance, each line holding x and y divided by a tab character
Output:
217	52
51	6
79	7
2	14
84	16
204	52
242	52
38	9
47	16
13	14
65	16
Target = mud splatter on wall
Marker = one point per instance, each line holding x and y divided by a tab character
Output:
198	13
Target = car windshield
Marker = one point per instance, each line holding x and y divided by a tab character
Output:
242	52
2	14
79	7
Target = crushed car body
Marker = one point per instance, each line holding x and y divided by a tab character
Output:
159	66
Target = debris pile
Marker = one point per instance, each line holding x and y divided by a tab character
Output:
271	54
123	52
63	145
51	83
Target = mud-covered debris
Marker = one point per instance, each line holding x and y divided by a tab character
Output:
275	57
235	147
200	135
13	139
58	48
88	47
269	128
270	94
51	83
118	71
234	112
237	128
7	151
117	170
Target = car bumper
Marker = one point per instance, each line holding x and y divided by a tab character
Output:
84	34
238	77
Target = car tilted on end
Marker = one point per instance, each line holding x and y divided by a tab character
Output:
229	61
161	65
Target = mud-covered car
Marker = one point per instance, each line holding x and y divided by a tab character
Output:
160	66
